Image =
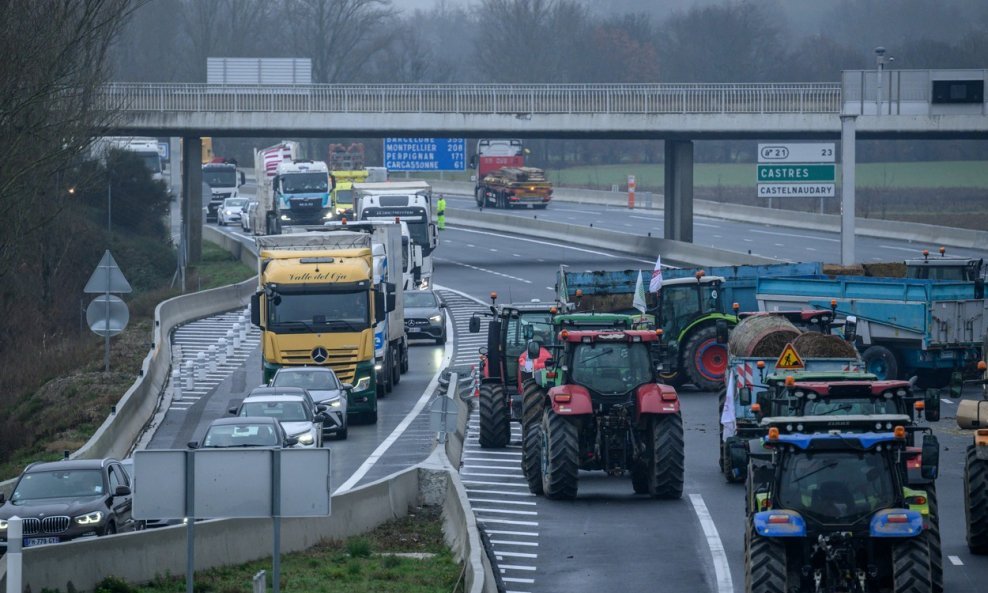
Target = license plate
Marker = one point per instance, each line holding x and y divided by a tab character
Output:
39	541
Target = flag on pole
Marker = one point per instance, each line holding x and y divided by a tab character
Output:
639	302
727	415
655	284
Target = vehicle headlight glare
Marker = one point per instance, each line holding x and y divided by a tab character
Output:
336	404
436	318
89	518
306	438
3	523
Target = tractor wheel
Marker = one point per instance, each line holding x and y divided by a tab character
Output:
706	359
765	567
639	478
674	379
495	427
976	501
560	453
532	404
911	570
665	480
721	400
881	362
531	457
933	539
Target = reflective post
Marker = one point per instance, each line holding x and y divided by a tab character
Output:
190	525
276	515
15	558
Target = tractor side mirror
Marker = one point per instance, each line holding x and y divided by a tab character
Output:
763	401
243	178
534	349
475	325
529	332
744	396
932	405
722	331
550	362
291	441
930	466
850	328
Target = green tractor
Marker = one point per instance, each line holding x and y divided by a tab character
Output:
695	324
598	405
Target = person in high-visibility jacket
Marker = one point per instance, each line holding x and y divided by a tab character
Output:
441	212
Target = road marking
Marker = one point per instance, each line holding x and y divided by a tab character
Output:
561	245
505	453
410	417
493	501
479	269
498	493
507	521
506	511
517	580
508	542
514	566
485	475
946	401
794	235
521	533
509	468
722	570
810	249
955	561
501	554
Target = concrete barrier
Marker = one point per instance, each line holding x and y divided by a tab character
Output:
673	252
923	234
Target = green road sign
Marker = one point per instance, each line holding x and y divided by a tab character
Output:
791	173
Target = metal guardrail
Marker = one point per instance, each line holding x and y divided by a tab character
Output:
515	99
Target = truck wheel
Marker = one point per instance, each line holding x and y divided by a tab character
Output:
881	362
532	405
560	456
395	366
706	359
933	539
765	567
495	427
639	478
404	358
666	456
478	196
976	501
911	571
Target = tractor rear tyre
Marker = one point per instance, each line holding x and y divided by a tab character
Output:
666	457
976	501
933	539
881	362
765	567
532	405
639	478
706	359
911	570
560	456
532	409
495	421
674	379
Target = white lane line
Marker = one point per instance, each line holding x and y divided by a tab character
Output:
495	460
946	401
517	580
504	567
560	245
500	555
810	249
407	421
508	542
498	493
504	453
492	501
510	468
955	561
722	570
486	475
520	533
507	512
795	236
508	522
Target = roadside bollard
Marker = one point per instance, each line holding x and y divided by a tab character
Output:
242	325
190	377
176	385
15	557
201	366
229	343
211	358
177	353
236	337
221	351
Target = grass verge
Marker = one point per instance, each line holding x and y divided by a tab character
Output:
361	564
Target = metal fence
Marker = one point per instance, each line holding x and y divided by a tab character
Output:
479	99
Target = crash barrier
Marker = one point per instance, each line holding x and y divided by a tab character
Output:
673	252
230	243
865	227
454	442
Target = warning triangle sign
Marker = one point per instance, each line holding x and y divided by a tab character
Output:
789	359
107	278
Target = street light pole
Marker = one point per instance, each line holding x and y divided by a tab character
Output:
106	323
880	63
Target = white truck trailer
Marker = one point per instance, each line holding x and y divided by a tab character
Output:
409	202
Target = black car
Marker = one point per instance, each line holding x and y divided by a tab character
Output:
64	500
425	315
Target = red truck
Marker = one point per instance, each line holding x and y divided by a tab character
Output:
503	180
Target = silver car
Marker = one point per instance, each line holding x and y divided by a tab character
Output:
297	416
327	392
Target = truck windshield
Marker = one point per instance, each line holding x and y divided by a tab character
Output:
611	367
151	160
415	216
324	311
344	197
836	487
222	178
301	183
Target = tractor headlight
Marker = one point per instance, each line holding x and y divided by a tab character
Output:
89	518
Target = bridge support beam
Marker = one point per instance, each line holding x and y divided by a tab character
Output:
679	190
847	206
192	200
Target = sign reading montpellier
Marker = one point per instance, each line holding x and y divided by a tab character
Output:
796	170
424	154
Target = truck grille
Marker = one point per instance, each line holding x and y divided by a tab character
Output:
342	360
57	524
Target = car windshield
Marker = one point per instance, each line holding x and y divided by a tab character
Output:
326	311
222	178
74	483
283	411
846	406
611	367
302	183
421	299
312	380
836	487
241	435
234	203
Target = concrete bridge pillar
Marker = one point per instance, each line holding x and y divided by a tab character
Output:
679	190
848	136
192	196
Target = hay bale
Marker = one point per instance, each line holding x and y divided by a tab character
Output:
886	270
761	335
839	270
816	345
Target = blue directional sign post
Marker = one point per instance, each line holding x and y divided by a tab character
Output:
425	154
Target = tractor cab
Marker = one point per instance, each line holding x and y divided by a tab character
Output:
684	300
943	268
610	364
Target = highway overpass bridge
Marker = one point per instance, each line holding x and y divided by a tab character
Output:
903	104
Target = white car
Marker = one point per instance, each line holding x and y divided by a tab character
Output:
297	416
231	211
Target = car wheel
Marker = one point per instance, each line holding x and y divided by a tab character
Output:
441	339
111	528
342	433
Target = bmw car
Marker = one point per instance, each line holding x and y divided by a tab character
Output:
425	316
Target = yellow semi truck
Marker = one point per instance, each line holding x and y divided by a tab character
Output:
317	304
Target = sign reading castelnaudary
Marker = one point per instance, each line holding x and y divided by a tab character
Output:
796	170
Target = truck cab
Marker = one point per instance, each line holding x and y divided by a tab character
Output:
224	182
389	201
302	192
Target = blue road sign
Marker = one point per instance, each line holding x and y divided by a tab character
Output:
425	154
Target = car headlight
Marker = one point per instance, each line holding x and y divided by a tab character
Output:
336	403
378	367
90	518
362	383
305	438
436	318
3	524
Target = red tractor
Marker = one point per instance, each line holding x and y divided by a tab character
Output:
599	406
